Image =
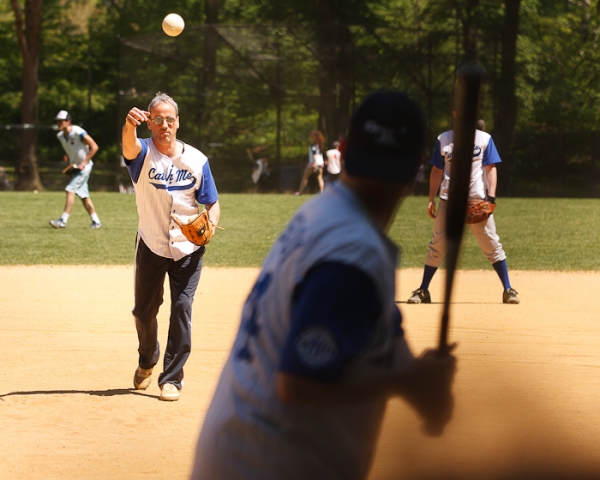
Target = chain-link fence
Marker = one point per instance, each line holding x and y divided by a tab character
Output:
265	88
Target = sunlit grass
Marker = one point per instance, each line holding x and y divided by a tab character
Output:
537	234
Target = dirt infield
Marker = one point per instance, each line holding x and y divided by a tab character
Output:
527	389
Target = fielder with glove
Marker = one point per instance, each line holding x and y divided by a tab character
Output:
480	218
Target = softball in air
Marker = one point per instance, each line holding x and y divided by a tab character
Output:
173	24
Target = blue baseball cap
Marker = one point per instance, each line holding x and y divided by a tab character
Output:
387	138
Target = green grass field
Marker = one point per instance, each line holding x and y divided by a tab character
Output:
537	234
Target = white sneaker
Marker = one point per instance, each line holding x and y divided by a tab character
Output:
169	392
96	225
58	223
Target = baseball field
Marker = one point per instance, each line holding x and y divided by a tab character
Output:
528	377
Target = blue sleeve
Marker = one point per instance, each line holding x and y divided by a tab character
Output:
207	193
491	155
134	166
437	159
333	318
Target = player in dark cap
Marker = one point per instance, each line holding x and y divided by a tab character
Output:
320	347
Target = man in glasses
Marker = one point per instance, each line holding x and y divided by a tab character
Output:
79	148
169	176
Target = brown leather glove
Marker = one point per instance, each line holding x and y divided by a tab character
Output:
479	211
198	229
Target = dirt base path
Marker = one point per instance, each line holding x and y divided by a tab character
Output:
527	390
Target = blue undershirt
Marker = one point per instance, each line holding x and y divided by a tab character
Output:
335	312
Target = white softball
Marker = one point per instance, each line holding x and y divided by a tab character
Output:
173	24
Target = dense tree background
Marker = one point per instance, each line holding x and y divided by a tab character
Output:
261	74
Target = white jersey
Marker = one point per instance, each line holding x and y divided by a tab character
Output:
248	432
165	185
315	157
334	161
484	154
259	169
73	144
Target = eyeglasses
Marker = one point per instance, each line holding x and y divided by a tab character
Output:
160	120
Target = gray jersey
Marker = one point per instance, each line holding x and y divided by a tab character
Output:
248	432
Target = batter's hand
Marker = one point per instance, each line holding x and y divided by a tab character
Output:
136	117
429	389
431	210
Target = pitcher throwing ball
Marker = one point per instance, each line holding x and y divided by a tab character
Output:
320	348
169	177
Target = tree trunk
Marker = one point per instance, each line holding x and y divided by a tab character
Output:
506	99
209	68
326	49
29	39
345	75
469	22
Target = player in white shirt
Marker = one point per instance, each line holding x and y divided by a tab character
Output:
169	176
483	186
79	148
334	162
320	347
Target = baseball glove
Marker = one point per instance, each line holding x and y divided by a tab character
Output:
479	211
198	229
69	169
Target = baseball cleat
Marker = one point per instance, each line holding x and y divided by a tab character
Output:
510	296
58	223
96	225
169	392
420	296
142	378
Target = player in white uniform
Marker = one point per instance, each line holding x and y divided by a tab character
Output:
320	347
79	147
169	176
483	186
334	162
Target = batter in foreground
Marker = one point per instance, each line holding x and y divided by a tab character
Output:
169	176
320	348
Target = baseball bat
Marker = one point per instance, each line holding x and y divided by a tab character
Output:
466	108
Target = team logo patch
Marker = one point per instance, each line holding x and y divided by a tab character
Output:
316	347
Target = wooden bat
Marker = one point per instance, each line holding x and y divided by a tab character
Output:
466	108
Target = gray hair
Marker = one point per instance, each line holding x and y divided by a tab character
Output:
163	98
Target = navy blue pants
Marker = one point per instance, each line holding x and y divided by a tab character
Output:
184	276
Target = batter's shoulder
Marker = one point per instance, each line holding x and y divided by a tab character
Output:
446	137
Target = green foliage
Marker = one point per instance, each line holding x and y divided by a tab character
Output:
100	57
537	234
